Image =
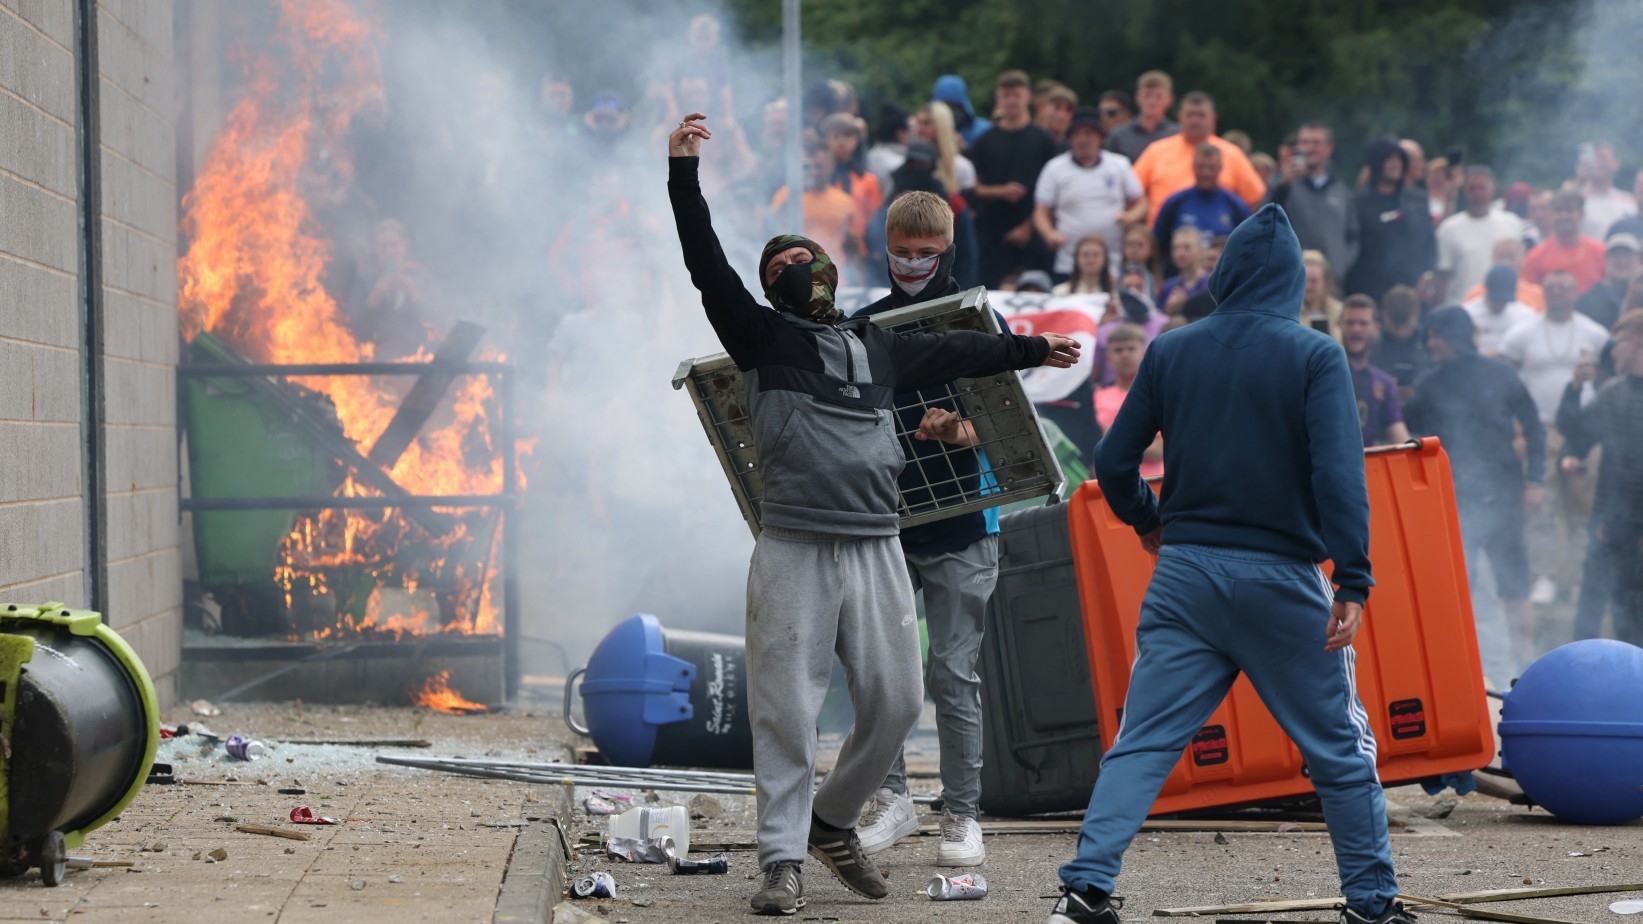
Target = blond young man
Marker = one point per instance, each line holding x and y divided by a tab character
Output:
954	561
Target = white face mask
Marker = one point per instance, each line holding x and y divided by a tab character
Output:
913	274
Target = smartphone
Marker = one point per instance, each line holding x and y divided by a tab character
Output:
1455	156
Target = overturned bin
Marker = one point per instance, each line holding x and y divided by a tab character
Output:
79	723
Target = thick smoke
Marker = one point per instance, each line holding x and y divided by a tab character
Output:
519	150
553	228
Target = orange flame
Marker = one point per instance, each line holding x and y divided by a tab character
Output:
254	276
437	695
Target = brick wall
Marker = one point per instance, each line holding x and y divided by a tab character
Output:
42	508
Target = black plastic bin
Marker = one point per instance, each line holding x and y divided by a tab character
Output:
1041	748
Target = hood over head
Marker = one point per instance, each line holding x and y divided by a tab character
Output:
1375	155
1454	324
952	90
1260	270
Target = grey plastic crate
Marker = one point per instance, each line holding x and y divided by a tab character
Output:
1012	442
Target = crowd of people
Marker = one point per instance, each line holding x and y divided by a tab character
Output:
1120	200
1508	324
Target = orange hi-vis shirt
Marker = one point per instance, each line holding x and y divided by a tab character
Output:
1165	168
829	218
1584	261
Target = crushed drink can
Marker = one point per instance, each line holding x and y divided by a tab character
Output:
956	888
597	885
641	849
243	749
716	865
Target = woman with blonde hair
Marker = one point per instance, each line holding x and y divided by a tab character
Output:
934	125
1319	306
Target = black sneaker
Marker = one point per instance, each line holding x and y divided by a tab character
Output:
1078	908
783	891
1395	913
841	850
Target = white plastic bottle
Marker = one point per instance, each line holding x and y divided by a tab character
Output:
647	823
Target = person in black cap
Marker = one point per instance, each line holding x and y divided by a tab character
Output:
1086	191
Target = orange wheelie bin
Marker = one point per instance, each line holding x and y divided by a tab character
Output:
1419	674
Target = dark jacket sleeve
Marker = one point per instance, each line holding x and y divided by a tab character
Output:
745	328
1118	455
1338	483
1571	423
922	359
1534	432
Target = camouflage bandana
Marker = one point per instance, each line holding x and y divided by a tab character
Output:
821	274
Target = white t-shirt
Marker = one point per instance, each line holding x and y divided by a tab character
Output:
1466	247
1492	327
1087	200
965	172
1604	209
1546	352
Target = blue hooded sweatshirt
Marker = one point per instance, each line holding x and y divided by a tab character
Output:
952	90
1262	445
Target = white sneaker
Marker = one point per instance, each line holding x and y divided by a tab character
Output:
1544	591
960	842
888	817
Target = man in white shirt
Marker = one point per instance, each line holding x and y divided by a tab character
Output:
1605	205
1497	310
1466	240
1086	191
1545	349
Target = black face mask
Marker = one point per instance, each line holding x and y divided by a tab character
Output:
790	291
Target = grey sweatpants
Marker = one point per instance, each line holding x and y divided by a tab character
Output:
810	596
957	586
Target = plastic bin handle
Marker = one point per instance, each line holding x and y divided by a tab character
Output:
570	721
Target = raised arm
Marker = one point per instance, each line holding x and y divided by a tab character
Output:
743	325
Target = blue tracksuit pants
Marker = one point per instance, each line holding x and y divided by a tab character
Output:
1209	614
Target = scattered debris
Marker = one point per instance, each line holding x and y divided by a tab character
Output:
89	863
273	832
293	791
303	815
969	886
361	742
203	707
705	806
161	775
641	849
716	865
596	885
1443	808
358	885
1221	839
1629	906
396	879
245	749
218	854
598	806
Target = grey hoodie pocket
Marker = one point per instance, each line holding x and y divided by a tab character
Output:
836	458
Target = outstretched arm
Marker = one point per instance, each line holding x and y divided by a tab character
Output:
923	359
743	325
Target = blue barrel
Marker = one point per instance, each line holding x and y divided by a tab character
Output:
1571	732
665	696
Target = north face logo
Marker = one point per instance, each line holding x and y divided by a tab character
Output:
850	391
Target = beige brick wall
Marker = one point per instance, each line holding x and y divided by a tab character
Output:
42	507
42	515
139	204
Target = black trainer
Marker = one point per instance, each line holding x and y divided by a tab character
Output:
840	849
1080	908
783	891
1395	913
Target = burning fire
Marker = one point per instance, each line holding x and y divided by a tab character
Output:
253	276
437	695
